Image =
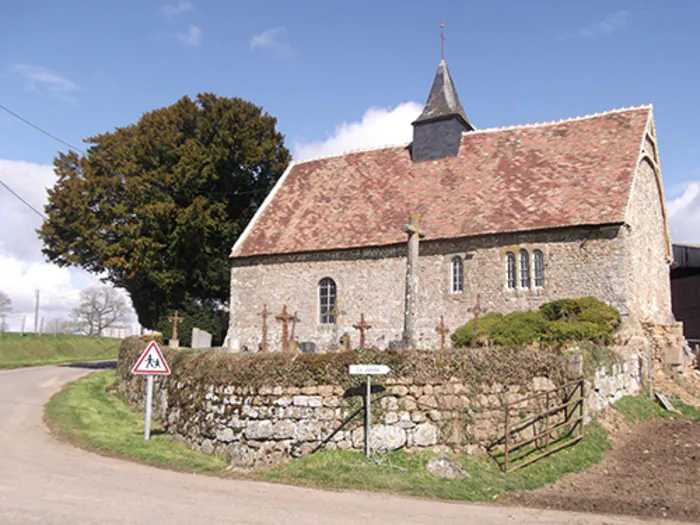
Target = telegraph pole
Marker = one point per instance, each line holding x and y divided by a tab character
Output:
36	312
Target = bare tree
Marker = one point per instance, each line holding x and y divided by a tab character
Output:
100	307
5	304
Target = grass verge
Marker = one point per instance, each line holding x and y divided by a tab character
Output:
403	472
99	420
31	349
86	414
639	409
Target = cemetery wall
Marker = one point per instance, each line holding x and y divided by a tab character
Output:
261	425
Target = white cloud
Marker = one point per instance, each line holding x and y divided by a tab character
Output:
191	38
24	269
45	81
171	10
684	215
609	25
272	40
378	127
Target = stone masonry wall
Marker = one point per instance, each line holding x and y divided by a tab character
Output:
646	244
578	262
255	427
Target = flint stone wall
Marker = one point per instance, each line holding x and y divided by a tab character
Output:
257	427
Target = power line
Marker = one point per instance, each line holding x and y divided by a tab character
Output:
13	192
41	130
80	150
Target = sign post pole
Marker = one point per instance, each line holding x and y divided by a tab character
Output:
149	404
368	371
150	364
368	418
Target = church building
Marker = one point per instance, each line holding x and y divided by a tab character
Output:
404	235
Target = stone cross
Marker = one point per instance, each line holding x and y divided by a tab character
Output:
412	274
175	320
362	327
284	318
476	311
264	313
443	331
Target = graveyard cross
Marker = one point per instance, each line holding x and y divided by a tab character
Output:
412	273
362	327
476	311
443	331
294	319
264	314
175	320
284	317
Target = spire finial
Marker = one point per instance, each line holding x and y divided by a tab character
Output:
442	40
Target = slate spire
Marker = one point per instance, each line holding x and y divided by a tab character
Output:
437	132
443	101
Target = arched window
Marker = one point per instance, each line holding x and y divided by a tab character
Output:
524	269
538	262
457	275
326	301
510	270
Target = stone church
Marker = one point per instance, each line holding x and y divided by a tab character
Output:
517	216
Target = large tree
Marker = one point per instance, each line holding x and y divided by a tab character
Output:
155	207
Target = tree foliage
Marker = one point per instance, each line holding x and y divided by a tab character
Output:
156	206
100	307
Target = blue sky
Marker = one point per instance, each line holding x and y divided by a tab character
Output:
81	68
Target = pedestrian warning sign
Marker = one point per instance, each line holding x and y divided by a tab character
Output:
151	362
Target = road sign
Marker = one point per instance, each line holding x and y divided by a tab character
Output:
151	362
369	370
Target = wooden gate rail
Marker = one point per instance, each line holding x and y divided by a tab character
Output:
573	409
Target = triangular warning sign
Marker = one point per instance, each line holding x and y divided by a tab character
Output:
151	362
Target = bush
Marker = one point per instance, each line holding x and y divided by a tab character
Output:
462	337
559	322
564	331
519	328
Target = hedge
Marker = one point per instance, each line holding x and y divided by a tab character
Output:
478	366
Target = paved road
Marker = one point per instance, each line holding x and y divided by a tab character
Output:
49	482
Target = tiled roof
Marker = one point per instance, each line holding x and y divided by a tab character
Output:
566	173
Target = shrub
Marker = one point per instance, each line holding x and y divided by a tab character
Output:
519	328
564	331
462	337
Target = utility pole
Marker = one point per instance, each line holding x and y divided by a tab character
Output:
36	312
24	319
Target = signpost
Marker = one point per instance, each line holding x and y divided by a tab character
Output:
151	363
368	370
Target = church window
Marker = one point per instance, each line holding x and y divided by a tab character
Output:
510	270
326	301
524	269
457	275
538	262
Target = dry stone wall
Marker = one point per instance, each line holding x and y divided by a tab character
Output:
261	426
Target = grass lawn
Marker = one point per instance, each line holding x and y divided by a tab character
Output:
97	420
31	349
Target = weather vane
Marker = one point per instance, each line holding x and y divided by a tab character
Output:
442	40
